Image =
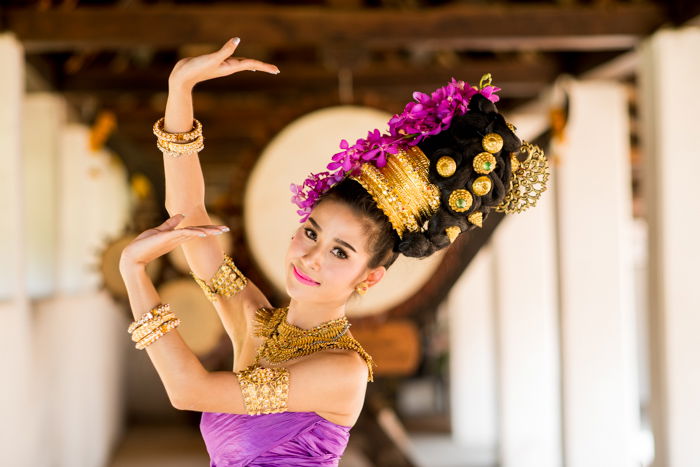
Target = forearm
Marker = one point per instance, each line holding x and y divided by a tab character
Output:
173	360
184	182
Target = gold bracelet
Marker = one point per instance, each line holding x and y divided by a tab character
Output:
177	149
228	280
148	327
157	333
186	136
158	310
265	390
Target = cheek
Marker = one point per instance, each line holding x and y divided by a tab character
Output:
297	246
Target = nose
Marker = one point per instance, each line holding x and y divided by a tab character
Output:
311	259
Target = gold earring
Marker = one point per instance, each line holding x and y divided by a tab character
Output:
362	288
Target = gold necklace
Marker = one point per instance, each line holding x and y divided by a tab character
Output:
284	341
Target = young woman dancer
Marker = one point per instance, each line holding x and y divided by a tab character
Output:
299	377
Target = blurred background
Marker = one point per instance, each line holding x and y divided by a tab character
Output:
565	335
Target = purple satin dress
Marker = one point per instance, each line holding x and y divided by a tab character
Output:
276	439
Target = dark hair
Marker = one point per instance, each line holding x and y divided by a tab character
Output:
382	238
462	141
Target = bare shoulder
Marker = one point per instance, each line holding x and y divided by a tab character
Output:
344	372
331	383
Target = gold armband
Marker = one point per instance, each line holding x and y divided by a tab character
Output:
265	390
227	281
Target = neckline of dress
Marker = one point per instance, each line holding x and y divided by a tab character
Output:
309	412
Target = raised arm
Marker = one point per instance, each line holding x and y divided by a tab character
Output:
184	182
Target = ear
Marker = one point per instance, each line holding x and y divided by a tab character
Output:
375	275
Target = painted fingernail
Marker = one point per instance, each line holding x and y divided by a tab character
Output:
218	233
236	40
202	235
226	229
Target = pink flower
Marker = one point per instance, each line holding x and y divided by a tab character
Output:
429	115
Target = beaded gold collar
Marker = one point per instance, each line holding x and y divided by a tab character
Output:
284	341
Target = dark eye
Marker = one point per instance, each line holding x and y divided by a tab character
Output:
341	253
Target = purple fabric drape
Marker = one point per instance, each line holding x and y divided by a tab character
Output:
276	439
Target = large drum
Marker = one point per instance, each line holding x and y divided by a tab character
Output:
306	145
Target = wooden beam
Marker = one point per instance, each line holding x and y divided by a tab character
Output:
528	75
466	26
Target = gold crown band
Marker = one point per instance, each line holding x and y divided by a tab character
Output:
401	189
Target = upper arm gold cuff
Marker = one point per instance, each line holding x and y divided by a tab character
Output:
228	280
265	390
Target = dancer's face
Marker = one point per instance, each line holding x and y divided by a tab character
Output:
332	248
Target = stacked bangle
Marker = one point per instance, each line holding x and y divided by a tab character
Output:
153	325
156	311
177	137
149	326
176	144
159	332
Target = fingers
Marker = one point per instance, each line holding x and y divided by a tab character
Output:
229	47
171	222
204	230
242	63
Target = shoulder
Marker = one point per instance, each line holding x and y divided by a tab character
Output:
328	382
339	366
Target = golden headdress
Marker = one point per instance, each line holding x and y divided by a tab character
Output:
397	173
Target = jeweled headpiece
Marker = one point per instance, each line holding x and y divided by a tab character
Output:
397	173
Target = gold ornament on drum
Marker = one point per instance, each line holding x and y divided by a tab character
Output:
484	163
446	166
460	200
492	142
482	185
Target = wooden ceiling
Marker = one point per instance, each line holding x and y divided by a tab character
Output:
115	56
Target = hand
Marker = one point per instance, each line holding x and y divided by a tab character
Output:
192	70
160	240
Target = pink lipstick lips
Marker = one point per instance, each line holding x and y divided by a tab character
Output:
302	278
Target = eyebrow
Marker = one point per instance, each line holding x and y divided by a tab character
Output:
336	239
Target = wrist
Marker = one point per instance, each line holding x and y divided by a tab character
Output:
127	265
179	86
